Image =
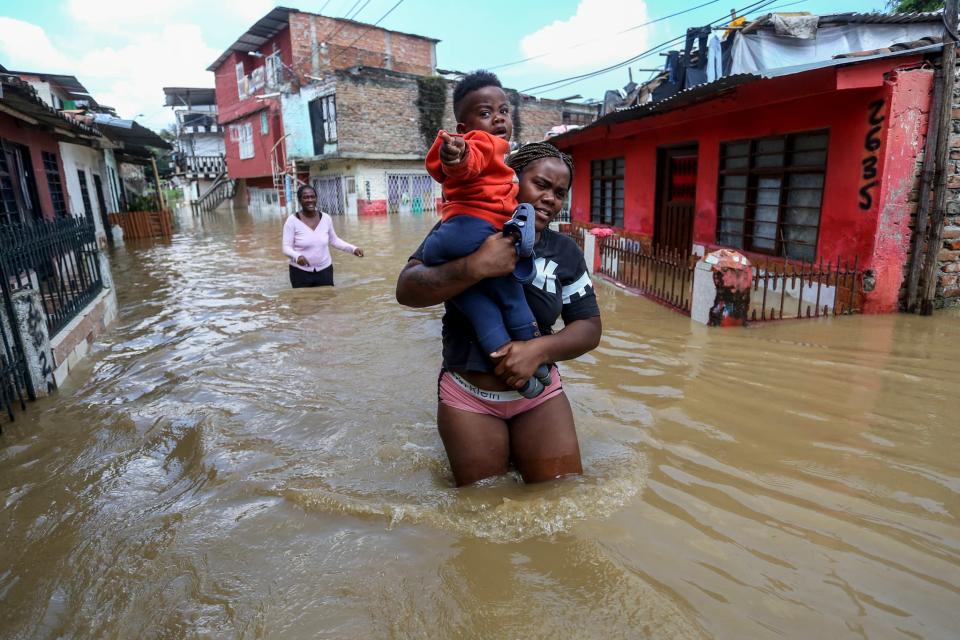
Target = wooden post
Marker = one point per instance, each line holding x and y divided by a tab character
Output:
935	238
927	178
156	180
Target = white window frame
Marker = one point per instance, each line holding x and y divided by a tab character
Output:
273	67
241	90
329	106
246	147
264	123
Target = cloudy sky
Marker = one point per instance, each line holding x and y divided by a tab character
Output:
125	51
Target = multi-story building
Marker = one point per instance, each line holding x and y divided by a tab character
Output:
349	107
199	149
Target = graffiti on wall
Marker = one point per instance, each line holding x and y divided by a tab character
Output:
35	325
871	144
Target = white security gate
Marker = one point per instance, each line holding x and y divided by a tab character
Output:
330	195
410	193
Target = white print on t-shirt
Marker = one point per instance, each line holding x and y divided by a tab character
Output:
579	287
545	279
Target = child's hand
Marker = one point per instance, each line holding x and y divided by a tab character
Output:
453	148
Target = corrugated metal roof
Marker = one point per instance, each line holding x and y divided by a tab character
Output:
129	132
260	33
194	96
68	84
21	96
881	18
714	89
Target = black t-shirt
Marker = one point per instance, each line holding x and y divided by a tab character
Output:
562	288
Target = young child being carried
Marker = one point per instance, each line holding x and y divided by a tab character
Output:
481	199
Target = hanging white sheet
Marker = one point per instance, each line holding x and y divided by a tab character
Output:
762	51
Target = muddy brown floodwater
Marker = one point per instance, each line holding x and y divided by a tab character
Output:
241	460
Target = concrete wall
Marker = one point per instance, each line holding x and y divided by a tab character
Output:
860	217
296	119
37	141
371	179
91	161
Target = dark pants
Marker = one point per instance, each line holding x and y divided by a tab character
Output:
300	278
496	307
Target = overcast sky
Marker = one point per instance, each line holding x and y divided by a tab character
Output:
124	52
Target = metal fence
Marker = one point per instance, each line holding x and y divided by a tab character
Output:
14	382
805	290
665	275
410	193
59	259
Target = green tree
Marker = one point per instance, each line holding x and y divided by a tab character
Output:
908	6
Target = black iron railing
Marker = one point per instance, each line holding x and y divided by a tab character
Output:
14	382
665	275
222	189
805	290
59	259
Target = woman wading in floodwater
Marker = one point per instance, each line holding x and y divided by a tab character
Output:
485	424
307	238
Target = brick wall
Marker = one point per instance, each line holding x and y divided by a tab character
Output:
948	287
538	116
377	113
322	44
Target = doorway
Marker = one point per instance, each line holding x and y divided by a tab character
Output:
676	198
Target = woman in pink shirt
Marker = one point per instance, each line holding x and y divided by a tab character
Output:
307	238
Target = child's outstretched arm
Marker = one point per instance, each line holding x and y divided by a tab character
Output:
457	156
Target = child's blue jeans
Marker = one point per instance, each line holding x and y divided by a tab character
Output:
496	307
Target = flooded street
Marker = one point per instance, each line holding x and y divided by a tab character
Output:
246	460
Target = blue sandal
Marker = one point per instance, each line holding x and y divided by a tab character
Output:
522	226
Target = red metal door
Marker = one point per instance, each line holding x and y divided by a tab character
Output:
677	186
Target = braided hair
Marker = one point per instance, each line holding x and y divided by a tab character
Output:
533	151
303	188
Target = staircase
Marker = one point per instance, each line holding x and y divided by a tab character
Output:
222	189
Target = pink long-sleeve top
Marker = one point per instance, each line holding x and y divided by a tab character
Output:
313	244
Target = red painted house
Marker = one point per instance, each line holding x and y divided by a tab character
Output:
802	164
32	181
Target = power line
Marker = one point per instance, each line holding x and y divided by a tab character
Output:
586	42
379	20
556	84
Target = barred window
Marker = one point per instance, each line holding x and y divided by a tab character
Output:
85	194
9	210
52	172
323	122
606	191
771	191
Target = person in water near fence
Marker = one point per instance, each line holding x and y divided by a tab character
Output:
483	422
480	193
307	237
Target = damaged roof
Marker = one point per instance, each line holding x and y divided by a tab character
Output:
709	90
128	132
19	95
68	84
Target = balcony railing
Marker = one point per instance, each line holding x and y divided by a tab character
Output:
202	165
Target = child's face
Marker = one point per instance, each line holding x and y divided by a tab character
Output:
487	110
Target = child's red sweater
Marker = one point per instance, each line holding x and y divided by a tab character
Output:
481	184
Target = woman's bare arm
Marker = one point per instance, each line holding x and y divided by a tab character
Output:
421	286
